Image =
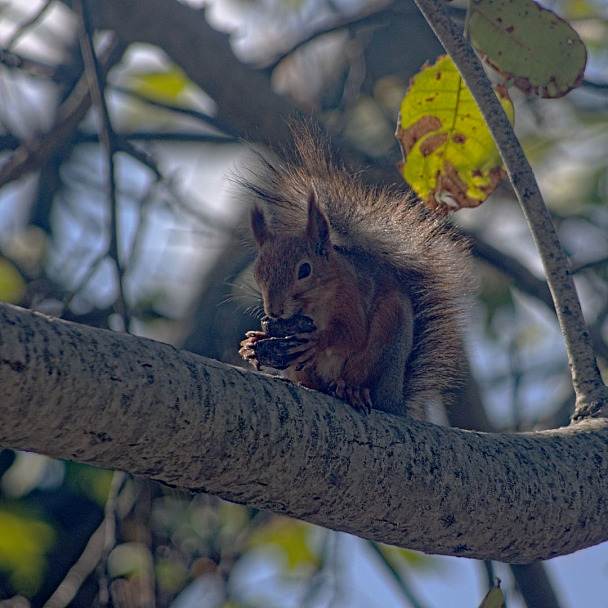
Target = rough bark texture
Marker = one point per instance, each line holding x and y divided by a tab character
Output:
121	402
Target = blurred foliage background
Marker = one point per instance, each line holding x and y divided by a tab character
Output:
153	248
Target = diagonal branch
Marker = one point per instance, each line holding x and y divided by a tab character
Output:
131	404
591	394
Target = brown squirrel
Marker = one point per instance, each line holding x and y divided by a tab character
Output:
373	286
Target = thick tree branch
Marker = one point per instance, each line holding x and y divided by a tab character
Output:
590	391
116	401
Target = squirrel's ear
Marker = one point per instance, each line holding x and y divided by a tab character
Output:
317	228
259	227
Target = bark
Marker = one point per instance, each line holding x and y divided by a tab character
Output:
121	402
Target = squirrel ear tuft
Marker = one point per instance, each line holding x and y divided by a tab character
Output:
259	227
317	228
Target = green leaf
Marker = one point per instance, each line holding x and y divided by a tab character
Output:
12	285
530	45
450	159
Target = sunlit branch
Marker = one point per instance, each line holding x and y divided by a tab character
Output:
591	394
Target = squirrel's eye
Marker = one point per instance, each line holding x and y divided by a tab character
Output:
304	270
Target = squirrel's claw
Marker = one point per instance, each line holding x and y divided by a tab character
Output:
247	350
254	335
356	396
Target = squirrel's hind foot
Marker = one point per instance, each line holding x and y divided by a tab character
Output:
357	397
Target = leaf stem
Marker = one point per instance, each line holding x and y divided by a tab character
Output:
591	393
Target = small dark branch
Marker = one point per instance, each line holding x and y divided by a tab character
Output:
488	566
174	137
520	275
32	155
109	542
405	590
363	20
146	159
601	263
31	66
108	140
201	116
591	394
528	283
93	268
534	585
77	574
598	86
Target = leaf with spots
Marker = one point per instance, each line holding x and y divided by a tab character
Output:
449	156
530	45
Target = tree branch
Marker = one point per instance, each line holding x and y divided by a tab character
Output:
591	394
108	140
117	401
33	154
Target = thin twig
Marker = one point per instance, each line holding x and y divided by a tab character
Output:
591	394
527	283
365	19
33	67
191	113
32	155
108	141
84	565
99	544
403	587
118	481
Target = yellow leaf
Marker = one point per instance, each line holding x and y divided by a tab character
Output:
161	86
24	542
494	598
12	285
291	537
450	159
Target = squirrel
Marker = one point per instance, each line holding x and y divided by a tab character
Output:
374	287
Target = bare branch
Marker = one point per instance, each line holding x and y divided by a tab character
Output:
107	137
591	394
32	155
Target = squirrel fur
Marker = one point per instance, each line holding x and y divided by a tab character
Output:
385	282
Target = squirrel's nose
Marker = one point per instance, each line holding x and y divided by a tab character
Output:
274	305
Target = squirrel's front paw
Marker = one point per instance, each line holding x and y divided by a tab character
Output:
279	353
303	351
248	346
284	343
358	397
